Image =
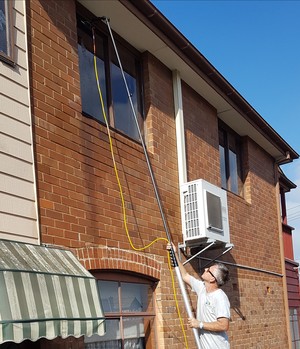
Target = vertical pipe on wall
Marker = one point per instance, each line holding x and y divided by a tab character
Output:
182	174
179	122
282	258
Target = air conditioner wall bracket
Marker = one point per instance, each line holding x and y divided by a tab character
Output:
211	243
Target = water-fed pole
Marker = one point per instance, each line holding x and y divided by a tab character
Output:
175	263
184	294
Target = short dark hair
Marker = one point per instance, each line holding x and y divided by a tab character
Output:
221	274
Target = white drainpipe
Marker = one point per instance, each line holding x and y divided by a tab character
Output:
179	122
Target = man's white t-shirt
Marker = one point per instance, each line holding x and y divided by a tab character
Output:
210	307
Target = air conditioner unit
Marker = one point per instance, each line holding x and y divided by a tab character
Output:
204	213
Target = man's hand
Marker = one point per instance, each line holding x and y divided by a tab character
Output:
193	323
185	275
171	245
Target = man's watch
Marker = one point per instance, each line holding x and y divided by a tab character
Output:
201	325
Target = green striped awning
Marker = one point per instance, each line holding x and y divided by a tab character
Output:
46	292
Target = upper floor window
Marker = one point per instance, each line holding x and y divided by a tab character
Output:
230	159
294	326
128	304
6	31
117	104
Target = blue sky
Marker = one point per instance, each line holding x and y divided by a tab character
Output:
255	45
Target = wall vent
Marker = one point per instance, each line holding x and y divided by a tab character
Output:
204	213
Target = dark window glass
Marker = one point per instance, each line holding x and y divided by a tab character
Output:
91	102
3	27
230	161
233	171
6	28
118	102
223	166
121	104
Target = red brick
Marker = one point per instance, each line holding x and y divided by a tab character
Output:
79	197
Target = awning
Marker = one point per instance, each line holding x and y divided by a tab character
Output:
45	292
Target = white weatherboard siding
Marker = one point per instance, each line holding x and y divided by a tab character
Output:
18	204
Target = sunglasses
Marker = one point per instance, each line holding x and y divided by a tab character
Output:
211	274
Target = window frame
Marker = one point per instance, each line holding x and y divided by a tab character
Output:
123	277
294	326
228	134
9	56
84	17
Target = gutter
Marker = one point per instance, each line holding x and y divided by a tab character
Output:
165	30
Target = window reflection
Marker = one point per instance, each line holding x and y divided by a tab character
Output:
123	114
134	332
111	339
129	314
3	27
230	162
6	31
109	296
91	104
233	171
134	297
223	166
117	102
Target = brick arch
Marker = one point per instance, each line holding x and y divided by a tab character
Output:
102	257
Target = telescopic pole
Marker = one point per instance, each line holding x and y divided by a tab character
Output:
176	267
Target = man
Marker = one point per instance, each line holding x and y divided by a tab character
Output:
213	308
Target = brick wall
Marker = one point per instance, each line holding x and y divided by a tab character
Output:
79	201
75	172
202	144
257	299
101	257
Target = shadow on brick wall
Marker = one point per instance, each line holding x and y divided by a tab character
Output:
231	288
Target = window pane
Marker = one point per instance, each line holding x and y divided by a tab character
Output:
133	327
111	339
294	324
123	115
122	108
134	333
223	167
108	291
89	91
233	172
222	138
229	150
137	343
135	297
126	327
4	37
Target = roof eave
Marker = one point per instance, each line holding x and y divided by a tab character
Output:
166	43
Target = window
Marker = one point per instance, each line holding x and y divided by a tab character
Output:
294	325
129	311
115	97
230	159
6	31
